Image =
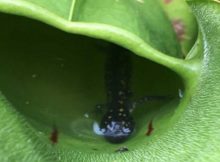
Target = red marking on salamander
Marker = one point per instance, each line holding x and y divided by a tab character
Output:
54	135
167	1
150	128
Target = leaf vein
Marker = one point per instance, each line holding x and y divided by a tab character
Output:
71	10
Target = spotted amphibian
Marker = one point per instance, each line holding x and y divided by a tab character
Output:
117	123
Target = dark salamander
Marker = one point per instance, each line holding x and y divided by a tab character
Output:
117	123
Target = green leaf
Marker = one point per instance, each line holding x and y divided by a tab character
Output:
183	20
107	17
46	80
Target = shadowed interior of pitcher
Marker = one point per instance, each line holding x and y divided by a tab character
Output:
81	91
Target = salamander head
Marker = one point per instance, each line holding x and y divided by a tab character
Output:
117	129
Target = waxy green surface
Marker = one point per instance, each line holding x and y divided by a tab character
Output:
50	77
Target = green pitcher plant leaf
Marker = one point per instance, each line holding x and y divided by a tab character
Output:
183	21
53	95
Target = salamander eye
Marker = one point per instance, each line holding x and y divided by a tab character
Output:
117	131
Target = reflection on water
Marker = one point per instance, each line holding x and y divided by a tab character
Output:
96	128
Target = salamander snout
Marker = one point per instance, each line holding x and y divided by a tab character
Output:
117	131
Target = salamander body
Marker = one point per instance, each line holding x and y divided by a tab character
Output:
117	123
